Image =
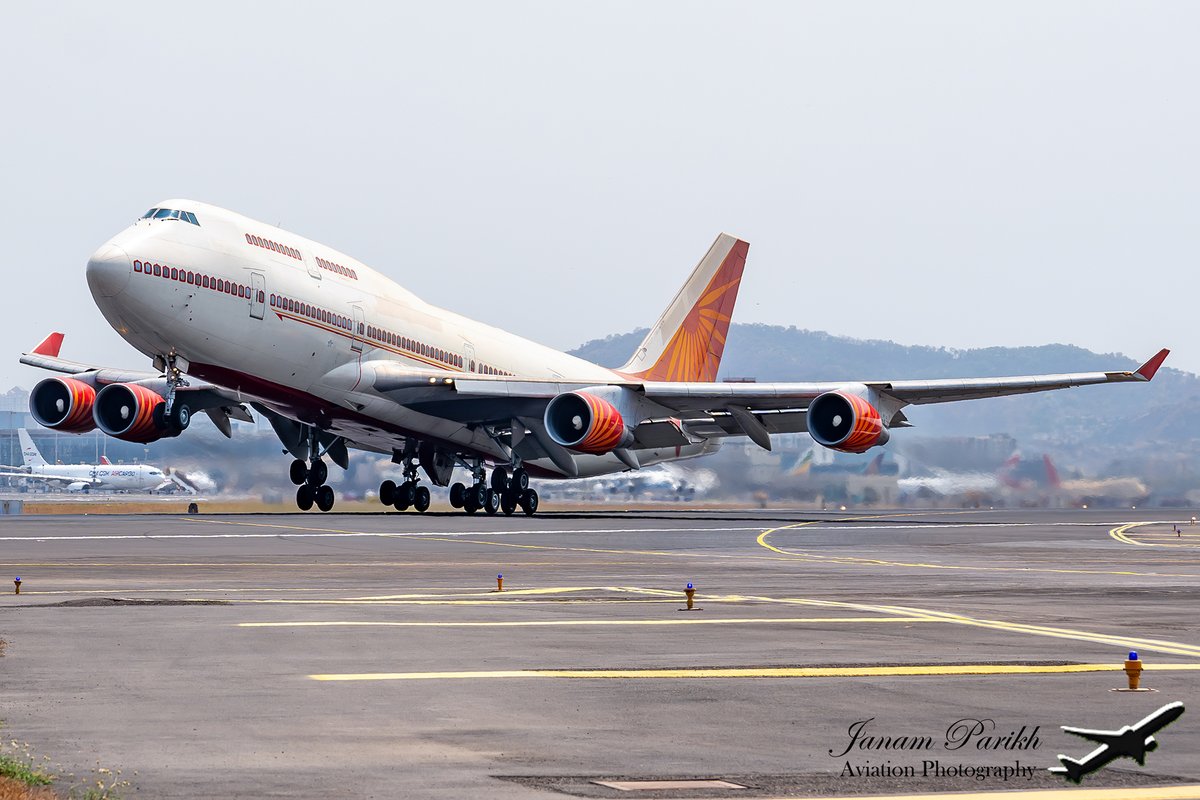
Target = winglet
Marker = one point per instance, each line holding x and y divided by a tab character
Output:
50	345
1148	369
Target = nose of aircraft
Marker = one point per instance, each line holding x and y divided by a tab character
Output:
108	271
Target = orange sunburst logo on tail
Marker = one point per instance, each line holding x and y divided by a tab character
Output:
694	352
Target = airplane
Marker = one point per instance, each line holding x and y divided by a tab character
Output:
233	312
1131	741
85	477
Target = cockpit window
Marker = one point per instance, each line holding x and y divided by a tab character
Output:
170	213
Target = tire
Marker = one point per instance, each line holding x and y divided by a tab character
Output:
305	497
529	502
421	499
499	479
317	473
405	493
492	503
181	418
458	495
508	503
387	492
478	495
325	498
520	479
400	506
298	472
470	507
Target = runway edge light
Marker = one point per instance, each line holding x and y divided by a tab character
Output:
1133	671
690	592
499	583
17	584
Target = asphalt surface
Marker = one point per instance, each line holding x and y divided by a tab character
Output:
369	656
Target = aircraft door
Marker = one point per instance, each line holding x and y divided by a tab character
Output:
360	329
258	295
468	356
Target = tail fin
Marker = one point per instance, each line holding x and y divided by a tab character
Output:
104	460
687	341
1071	769
29	453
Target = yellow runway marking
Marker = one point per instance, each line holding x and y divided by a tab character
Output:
567	623
1182	792
920	670
1121	534
1116	533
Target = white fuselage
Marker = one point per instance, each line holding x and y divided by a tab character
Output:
296	325
116	477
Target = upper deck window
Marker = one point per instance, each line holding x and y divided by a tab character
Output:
170	213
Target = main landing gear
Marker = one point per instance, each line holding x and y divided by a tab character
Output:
503	494
312	487
408	494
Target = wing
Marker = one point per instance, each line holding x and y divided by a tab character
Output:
702	410
1099	737
220	404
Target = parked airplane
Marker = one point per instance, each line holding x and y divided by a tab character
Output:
1131	741
85	477
234	312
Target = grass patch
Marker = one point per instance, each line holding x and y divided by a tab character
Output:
23	770
11	789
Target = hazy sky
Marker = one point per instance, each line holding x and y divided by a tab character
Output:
962	174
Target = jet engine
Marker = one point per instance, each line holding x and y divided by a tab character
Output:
586	424
130	412
845	422
64	404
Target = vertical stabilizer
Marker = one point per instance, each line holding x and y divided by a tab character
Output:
687	341
29	453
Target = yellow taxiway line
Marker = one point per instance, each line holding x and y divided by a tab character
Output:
921	670
567	623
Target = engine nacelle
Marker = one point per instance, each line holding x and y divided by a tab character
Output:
130	412
845	422
586	423
63	404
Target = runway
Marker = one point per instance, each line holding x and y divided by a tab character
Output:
365	655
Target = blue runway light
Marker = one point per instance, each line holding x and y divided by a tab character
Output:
1133	655
690	585
499	577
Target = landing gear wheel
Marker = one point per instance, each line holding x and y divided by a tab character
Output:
405	493
298	472
421	499
325	498
317	473
181	417
478	495
458	495
400	506
520	479
499	479
387	492
304	497
470	506
492	503
529	502
508	503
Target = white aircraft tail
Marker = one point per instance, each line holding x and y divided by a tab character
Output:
687	341
29	452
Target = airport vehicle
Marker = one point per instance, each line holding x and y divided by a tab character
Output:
85	477
1131	741
234	312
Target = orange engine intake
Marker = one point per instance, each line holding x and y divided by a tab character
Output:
130	412
845	422
586	423
63	404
